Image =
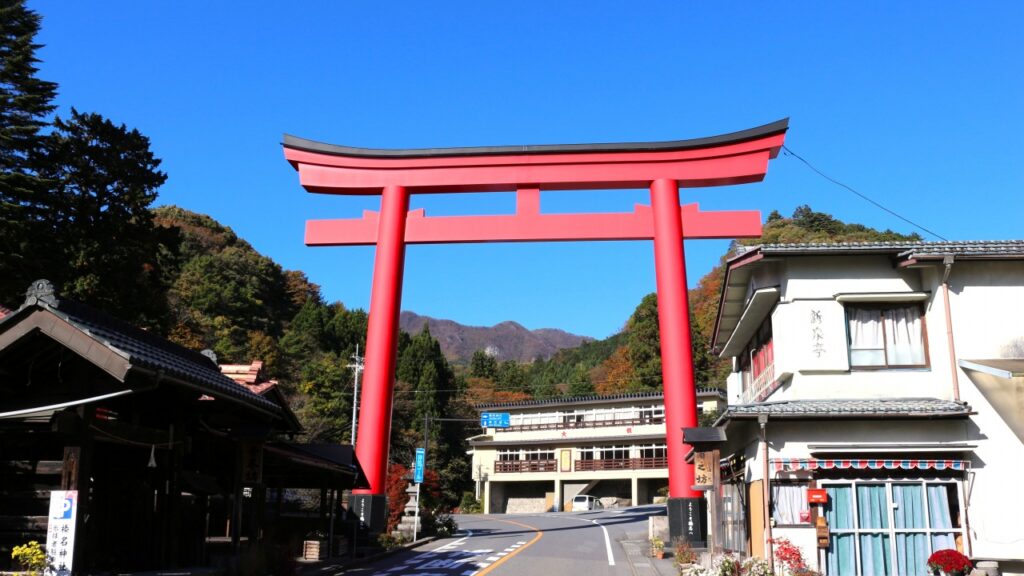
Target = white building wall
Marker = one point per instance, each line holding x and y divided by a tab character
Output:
987	306
988	321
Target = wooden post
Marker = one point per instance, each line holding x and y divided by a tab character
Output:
715	502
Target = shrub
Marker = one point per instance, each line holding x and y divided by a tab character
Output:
682	552
31	557
388	542
444	525
470	504
791	558
757	567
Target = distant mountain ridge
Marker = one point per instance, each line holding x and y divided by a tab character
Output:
506	341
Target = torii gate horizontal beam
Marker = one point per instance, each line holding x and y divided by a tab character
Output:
736	158
533	227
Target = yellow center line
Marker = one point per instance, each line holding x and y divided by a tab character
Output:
517	551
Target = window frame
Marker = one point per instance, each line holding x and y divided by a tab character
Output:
891	530
881	307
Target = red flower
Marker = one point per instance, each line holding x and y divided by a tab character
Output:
949	561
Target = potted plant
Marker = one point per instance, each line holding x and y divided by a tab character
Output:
949	562
657	547
682	553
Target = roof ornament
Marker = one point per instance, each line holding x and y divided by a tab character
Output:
212	356
41	292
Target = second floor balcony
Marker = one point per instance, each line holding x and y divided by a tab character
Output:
622	464
513	466
760	387
523	466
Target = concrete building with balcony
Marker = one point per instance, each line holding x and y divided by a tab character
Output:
610	447
888	375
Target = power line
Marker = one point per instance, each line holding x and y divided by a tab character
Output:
787	151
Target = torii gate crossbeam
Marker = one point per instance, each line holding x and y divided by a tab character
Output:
663	167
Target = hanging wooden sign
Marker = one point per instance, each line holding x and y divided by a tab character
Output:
703	470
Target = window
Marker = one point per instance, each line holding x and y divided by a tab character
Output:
654	414
881	527
653	451
757	363
886	336
539	454
614	452
508	455
789	504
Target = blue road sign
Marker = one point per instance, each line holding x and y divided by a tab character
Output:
419	465
494	420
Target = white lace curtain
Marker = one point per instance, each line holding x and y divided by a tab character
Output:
788	501
886	337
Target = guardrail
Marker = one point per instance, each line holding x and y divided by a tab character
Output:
761	387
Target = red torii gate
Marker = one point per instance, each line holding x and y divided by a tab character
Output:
736	158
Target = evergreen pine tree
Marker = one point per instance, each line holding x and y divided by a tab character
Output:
25	104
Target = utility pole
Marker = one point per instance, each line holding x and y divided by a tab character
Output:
357	367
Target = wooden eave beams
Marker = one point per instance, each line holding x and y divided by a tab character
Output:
72	338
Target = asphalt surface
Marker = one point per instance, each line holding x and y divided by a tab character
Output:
595	543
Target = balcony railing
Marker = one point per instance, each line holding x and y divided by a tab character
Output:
584	424
525	466
622	464
762	386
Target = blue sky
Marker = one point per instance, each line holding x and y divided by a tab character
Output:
916	104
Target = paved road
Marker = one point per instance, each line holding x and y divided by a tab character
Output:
588	543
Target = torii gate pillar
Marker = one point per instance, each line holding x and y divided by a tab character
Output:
674	328
664	167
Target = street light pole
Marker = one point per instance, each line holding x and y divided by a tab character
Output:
357	367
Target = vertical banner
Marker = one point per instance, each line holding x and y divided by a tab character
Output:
60	531
420	464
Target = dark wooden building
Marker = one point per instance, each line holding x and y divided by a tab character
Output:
172	459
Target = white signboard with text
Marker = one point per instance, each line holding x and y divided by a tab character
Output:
60	531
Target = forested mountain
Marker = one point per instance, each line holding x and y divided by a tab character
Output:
505	341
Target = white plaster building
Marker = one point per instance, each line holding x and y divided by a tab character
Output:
869	370
610	447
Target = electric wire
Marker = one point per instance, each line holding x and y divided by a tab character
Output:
787	151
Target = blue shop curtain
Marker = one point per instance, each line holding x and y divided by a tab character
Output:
938	514
912	549
872	512
842	559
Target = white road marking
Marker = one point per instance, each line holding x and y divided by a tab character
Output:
607	538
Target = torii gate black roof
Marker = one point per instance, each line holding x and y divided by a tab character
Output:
772	128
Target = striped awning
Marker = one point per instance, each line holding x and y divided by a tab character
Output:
790	464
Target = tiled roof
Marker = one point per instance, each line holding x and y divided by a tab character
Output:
896	407
592	399
990	248
152	351
144	350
